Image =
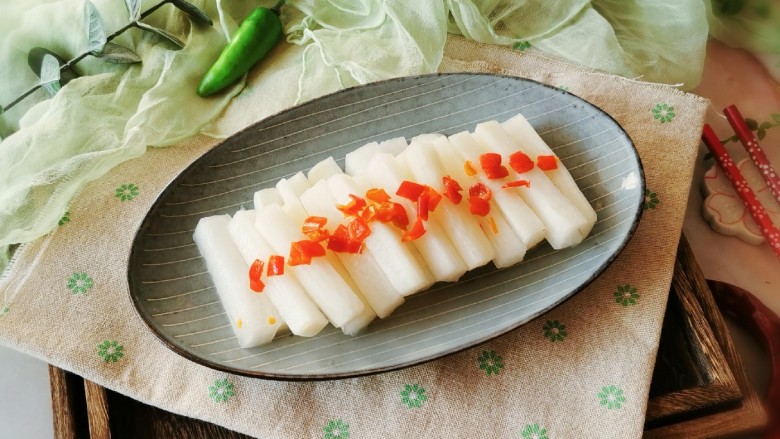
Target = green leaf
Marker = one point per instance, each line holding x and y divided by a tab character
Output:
161	32
134	8
751	123
776	117
193	11
35	59
50	74
761	134
116	54
96	33
765	125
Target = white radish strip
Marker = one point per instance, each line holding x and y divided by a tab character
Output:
323	170
517	213
322	282
393	146
250	313
509	248
400	261
294	305
461	227
426	138
267	196
290	190
533	145
435	247
562	220
363	268
355	161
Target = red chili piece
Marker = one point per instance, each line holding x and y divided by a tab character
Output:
479	190
314	229
479	206
354	207
410	190
275	265
520	162
517	183
340	242
496	173
490	160
452	189
255	271
418	230
302	252
378	195
547	162
435	199
423	205
358	230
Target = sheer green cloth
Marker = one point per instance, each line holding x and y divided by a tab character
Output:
54	147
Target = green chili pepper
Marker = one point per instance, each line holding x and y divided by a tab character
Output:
257	35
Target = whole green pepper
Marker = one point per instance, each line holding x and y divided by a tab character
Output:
257	35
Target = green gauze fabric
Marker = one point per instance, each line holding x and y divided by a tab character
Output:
363	40
751	25
101	119
98	121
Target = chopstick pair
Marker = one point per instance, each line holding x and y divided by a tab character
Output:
750	143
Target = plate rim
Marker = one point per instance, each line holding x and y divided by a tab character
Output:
637	216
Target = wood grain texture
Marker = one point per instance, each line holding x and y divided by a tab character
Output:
68	405
746	417
97	410
692	375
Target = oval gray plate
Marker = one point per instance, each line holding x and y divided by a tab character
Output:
173	293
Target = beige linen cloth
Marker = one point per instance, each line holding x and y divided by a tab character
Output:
581	370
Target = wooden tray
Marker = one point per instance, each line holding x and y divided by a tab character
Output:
699	387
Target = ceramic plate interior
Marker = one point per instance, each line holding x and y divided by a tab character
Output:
174	294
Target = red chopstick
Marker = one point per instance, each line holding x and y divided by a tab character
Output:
757	211
750	142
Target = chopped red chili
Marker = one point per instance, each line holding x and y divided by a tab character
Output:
255	271
378	195
275	265
496	173
490	160
547	162
410	190
358	230
479	206
354	207
418	230
395	213
423	205
435	199
302	252
314	228
520	162
340	241
452	189
469	168
517	183
479	190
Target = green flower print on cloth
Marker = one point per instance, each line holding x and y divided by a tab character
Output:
79	283
490	362
533	431
110	351
554	330
611	397
221	391
651	199
65	219
522	46
663	113
126	192
4	310
337	429
413	396
626	295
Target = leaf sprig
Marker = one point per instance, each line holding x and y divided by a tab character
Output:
54	72
759	129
